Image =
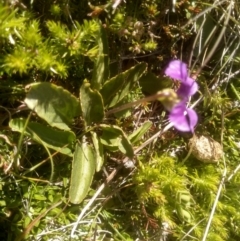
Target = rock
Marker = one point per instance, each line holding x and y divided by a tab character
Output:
205	149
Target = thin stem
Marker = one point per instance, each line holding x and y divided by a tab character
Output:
219	188
129	105
160	95
215	205
191	229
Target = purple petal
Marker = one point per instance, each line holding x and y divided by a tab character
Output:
176	69
183	118
187	88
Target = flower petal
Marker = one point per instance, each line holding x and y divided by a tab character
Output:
183	118
187	88
176	69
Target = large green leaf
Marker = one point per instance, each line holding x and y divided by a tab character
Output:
53	104
98	150
151	84
91	104
101	67
61	141
114	138
83	169
115	89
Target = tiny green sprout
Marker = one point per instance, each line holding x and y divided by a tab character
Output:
55	10
118	18
150	46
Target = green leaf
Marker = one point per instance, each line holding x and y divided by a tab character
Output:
151	84
39	197
61	141
183	214
53	104
115	139
91	104
101	67
115	89
83	169
137	135
99	151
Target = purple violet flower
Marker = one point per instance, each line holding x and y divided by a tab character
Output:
183	118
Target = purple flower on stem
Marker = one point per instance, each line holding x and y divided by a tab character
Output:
183	118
